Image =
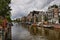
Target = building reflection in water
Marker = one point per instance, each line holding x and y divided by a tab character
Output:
43	33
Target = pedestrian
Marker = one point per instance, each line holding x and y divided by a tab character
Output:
4	24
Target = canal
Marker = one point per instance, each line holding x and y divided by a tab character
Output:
23	32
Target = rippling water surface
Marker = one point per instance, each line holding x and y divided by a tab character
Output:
23	32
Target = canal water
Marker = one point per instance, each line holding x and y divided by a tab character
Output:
23	32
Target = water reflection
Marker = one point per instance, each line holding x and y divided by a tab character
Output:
25	32
49	34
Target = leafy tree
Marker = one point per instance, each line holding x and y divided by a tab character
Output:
55	6
46	18
5	9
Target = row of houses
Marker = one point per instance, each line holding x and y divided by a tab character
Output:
52	15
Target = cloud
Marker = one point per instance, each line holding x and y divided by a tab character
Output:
52	3
23	7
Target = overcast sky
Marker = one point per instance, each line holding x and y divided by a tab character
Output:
23	7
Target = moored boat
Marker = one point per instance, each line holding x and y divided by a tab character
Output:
56	26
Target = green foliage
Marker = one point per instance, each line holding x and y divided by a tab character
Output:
5	9
0	21
55	6
46	18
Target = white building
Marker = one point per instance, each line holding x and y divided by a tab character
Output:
53	14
